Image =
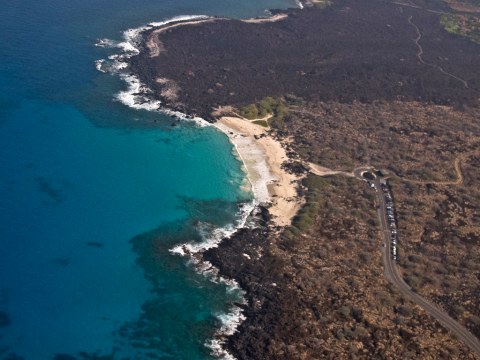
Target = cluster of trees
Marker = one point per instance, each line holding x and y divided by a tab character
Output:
268	106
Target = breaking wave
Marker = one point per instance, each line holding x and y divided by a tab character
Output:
299	4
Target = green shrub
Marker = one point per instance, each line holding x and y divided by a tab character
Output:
261	123
249	112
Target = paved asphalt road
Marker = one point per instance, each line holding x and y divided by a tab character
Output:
393	275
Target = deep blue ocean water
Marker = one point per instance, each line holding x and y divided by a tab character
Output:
94	194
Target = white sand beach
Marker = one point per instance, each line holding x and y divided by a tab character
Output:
263	156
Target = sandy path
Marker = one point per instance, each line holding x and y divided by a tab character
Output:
323	171
153	44
274	18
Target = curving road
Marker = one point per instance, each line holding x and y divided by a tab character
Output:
393	275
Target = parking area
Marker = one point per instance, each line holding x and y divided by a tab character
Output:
391	216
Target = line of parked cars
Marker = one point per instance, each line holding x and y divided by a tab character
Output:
391	219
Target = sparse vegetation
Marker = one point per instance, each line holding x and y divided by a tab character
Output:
439	231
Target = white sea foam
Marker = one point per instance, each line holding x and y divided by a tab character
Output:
299	4
136	95
230	323
106	43
119	65
180	18
213	236
99	65
139	96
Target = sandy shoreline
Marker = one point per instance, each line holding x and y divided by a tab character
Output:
263	156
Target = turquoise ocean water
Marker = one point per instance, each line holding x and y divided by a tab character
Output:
94	194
